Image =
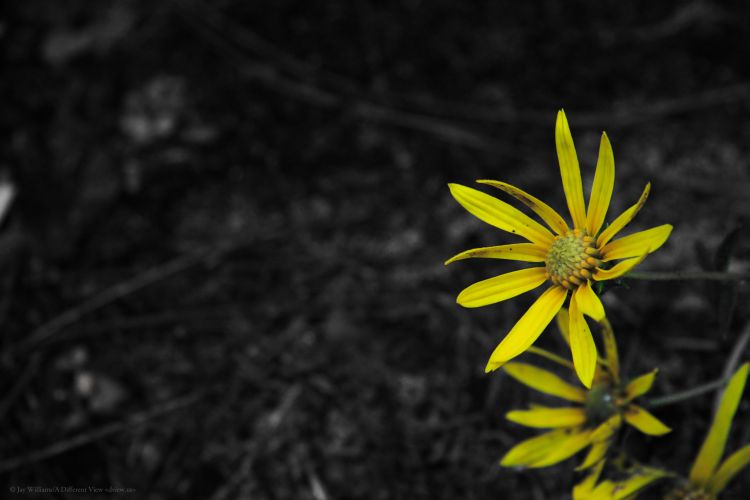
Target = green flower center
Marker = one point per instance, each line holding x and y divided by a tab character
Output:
572	258
600	404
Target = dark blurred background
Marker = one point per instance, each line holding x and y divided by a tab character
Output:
224	225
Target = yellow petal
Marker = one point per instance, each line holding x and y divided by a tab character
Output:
636	482
623	219
574	443
544	381
571	173
644	421
637	244
528	328
606	429
713	446
618	270
731	466
600	441
603	491
563	320
548	418
601	190
525	252
531	450
582	344
503	287
640	386
588	302
501	215
595	455
547	213
583	490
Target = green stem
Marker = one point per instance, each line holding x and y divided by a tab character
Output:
687	394
686	276
552	357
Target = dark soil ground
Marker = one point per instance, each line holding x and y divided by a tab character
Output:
222	271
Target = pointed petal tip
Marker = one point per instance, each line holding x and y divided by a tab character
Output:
453	186
493	365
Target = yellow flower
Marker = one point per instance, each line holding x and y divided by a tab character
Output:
707	478
638	478
572	258
596	415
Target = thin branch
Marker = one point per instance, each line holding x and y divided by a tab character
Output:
299	87
243	40
20	384
733	360
280	71
687	394
687	276
85	438
109	295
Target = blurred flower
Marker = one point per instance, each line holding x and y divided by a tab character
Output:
638	477
707	478
594	418
572	257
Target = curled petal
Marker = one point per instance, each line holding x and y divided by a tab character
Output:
547	213
623	219
501	215
524	252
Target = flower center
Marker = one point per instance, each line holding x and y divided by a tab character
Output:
572	258
600	404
